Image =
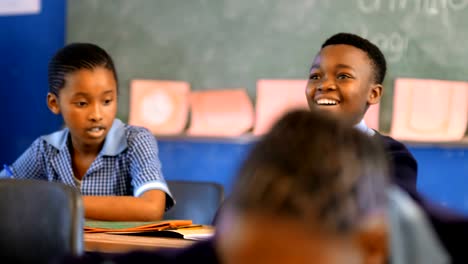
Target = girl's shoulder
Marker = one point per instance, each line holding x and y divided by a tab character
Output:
138	137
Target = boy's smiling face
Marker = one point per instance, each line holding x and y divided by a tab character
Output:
341	82
88	104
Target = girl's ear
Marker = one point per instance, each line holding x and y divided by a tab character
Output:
375	94
52	103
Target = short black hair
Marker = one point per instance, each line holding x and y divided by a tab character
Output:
74	57
313	168
376	56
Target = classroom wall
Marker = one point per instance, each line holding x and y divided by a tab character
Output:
27	42
442	168
216	44
222	43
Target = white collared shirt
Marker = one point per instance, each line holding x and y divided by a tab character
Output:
128	163
362	126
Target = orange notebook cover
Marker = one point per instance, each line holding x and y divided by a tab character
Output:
126	227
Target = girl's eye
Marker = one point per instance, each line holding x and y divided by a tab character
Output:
81	104
108	101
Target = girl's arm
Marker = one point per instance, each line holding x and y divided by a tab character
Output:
30	165
151	195
149	206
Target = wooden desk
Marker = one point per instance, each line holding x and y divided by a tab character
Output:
111	243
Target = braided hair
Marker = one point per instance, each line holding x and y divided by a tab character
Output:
74	57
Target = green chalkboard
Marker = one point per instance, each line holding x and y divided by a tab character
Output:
232	43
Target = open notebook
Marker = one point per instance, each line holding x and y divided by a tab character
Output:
128	227
164	228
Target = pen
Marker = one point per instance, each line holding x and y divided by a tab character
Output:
8	170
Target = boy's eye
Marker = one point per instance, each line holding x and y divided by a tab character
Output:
107	101
343	76
314	76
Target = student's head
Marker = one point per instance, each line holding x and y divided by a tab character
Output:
83	89
346	77
311	191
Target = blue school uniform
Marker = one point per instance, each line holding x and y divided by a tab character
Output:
404	169
128	163
451	228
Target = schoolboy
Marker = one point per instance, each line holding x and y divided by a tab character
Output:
346	77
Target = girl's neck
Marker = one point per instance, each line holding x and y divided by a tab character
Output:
82	149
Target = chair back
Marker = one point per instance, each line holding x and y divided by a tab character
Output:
372	116
161	106
39	221
220	113
274	99
429	110
197	201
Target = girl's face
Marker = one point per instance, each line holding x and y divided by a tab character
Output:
88	104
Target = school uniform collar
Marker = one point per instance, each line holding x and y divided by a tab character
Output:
364	128
114	144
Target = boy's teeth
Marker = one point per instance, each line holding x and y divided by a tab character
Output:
95	129
326	102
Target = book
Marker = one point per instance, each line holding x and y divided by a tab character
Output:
190	232
92	226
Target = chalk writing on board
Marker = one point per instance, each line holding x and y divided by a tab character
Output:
393	44
428	7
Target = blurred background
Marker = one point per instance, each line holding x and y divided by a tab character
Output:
216	44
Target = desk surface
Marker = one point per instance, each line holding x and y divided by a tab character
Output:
111	243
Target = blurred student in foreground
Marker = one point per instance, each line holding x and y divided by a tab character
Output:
313	190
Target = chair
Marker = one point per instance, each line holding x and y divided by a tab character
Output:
429	110
198	201
160	106
372	116
220	113
40	221
274	99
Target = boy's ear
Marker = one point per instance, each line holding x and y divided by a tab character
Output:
373	239
52	103
375	94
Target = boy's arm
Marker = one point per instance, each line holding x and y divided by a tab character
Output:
149	206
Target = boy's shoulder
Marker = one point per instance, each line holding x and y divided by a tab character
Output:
403	165
393	145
